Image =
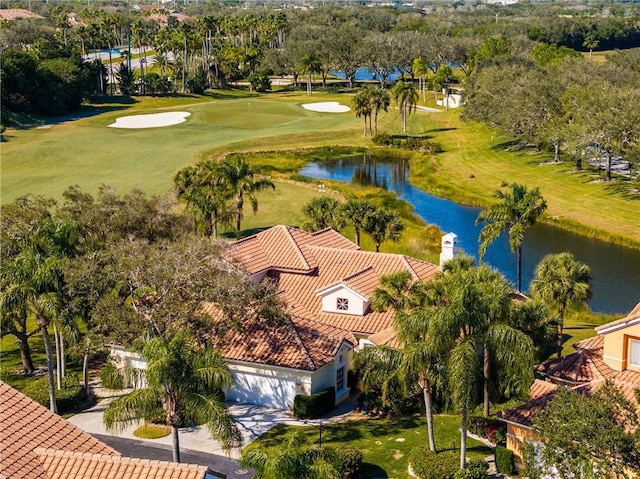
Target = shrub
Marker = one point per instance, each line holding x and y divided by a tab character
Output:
476	469
346	460
68	398
383	139
315	405
111	378
427	465
259	82
491	429
504	460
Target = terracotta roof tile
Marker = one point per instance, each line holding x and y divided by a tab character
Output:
634	315
27	425
541	392
386	337
596	342
582	367
17	13
76	465
300	343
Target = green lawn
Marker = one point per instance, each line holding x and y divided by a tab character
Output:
384	445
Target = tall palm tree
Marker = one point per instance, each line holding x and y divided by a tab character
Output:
322	212
406	97
562	282
380	100
356	213
418	362
467	324
201	188
239	178
384	225
515	211
290	460
361	105
187	383
421	68
308	65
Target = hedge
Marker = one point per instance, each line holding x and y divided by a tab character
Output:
315	405
428	465
504	460
346	460
67	399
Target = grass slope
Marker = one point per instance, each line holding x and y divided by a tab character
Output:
385	445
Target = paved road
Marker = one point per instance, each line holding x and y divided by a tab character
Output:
137	448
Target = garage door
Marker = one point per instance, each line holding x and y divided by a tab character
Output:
262	391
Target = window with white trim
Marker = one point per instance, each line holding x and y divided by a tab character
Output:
342	304
634	352
340	379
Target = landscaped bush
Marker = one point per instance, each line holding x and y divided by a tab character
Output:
476	469
315	405
504	460
67	399
427	465
111	378
346	460
491	429
408	143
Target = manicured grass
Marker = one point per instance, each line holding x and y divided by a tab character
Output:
152	431
384	445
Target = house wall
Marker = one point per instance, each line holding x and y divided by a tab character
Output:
356	305
325	377
616	347
517	436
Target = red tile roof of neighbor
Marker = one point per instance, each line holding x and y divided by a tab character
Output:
540	394
38	444
578	368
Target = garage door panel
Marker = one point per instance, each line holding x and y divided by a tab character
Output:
262	391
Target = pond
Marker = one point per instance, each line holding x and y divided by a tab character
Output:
615	269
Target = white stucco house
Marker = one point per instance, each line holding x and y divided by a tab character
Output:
326	283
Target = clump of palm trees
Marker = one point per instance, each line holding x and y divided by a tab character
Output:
215	191
379	223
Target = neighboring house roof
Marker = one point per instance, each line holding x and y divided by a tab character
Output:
596	342
540	394
38	444
303	264
582	367
162	18
78	465
17	13
298	343
632	318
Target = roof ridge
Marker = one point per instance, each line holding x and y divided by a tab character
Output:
295	244
298	339
414	275
358	273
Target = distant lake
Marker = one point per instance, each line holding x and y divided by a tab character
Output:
615	269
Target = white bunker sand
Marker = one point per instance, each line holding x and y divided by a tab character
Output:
154	120
326	107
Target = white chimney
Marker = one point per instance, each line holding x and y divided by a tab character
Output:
449	248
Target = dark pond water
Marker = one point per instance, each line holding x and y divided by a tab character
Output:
615	270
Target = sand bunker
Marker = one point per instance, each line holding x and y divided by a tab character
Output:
326	107
154	120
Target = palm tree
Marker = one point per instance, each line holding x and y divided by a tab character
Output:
421	68
418	362
563	282
322	212
289	461
515	211
309	64
384	225
356	213
380	100
590	42
238	177
406	97
361	104
187	383
201	188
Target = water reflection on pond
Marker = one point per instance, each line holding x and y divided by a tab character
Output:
615	269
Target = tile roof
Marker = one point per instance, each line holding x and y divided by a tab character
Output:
582	367
298	344
17	13
540	393
386	337
596	342
26	425
304	263
38	444
634	316
77	465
